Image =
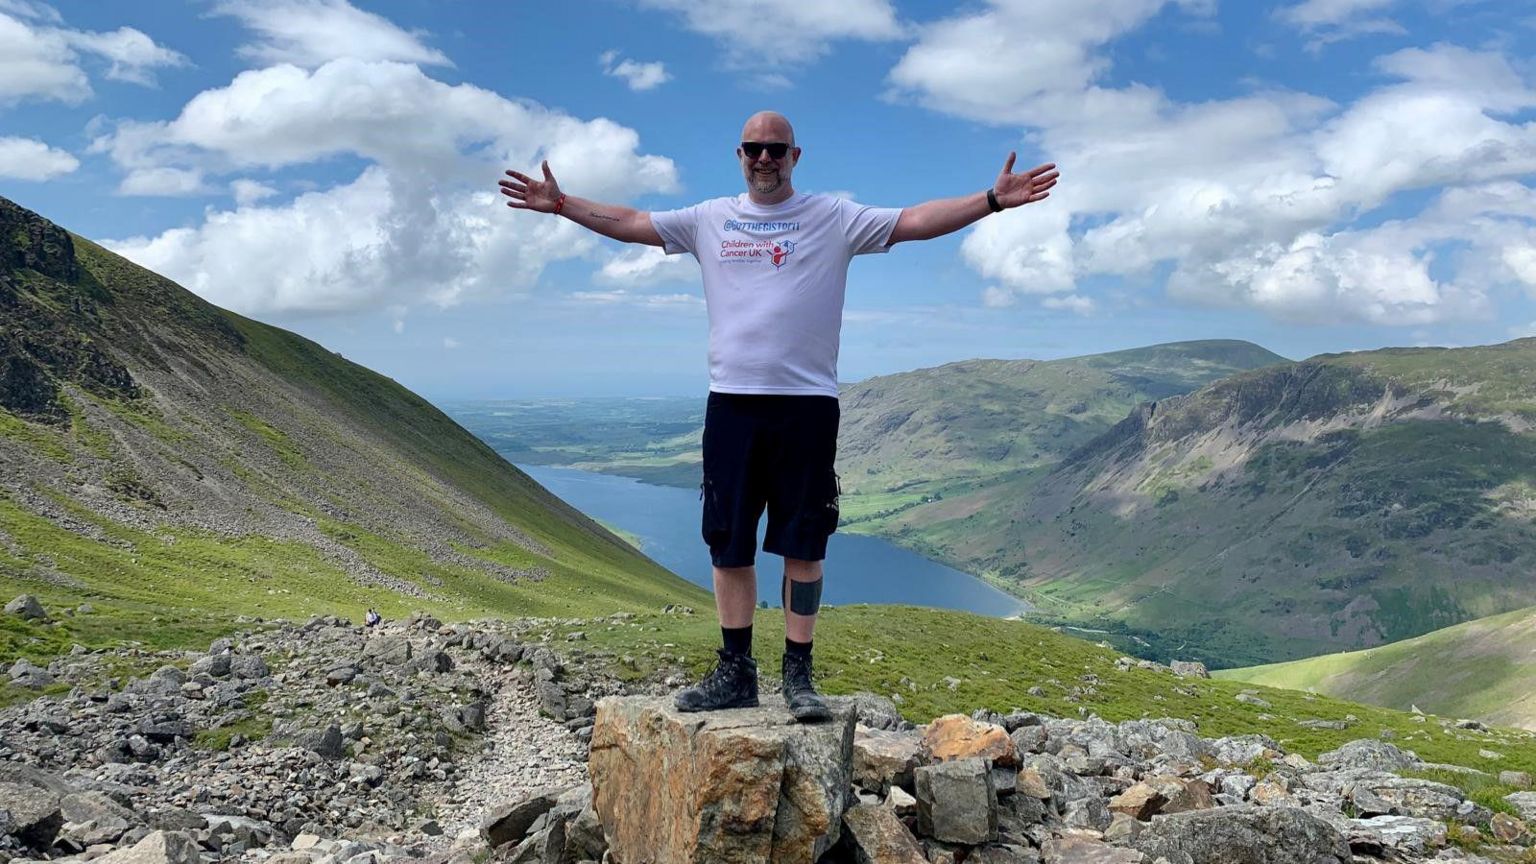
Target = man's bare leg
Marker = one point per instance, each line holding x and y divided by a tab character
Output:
733	683
735	595
802	601
797	628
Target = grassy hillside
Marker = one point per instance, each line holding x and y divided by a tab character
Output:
1343	502
1481	668
174	465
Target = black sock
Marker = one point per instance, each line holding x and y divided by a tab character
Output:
793	647
738	640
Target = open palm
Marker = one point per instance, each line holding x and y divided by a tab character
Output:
526	193
1027	187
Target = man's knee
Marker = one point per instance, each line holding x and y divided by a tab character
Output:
747	572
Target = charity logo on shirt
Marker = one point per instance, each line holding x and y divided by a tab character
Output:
781	252
755	251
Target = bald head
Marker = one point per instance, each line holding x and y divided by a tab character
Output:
768	126
767	174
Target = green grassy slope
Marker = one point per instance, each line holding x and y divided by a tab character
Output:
175	465
1343	502
1480	668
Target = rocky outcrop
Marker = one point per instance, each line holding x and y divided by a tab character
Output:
324	743
743	785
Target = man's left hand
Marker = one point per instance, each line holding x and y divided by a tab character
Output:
1016	190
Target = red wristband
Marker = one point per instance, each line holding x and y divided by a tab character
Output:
559	203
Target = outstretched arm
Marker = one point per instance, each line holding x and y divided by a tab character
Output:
610	220
944	215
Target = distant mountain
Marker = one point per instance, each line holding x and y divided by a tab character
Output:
1342	502
161	457
1480	669
910	437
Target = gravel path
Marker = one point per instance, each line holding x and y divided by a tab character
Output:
523	751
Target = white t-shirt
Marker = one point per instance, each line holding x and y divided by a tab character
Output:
774	279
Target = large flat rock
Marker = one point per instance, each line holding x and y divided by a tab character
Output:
741	785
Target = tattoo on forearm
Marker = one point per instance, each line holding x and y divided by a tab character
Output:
603	216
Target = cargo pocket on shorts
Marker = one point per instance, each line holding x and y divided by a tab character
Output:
830	512
713	525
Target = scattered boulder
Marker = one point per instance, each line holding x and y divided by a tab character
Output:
159	847
1244	835
875	835
27	607
956	801
956	736
33	814
1372	754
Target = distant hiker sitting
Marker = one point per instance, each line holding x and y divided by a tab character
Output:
775	268
372	619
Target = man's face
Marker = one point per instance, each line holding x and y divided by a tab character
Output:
764	173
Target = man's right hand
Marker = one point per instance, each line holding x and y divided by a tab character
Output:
526	193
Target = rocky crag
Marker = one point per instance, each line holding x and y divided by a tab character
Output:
330	742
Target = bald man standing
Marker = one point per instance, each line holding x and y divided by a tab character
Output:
775	268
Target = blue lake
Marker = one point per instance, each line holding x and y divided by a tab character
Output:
858	570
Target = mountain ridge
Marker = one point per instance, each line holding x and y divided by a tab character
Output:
1347	477
153	443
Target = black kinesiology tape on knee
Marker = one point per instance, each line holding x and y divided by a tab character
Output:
804	597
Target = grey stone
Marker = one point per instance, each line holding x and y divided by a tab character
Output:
1086	850
510	823
326	742
1517	779
876	836
1395	836
249	667
1244	835
388	650
1370	753
35	816
1189	669
1525	802
94	817
27	607
1001	853
159	847
956	802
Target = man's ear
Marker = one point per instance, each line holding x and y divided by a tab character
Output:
796	152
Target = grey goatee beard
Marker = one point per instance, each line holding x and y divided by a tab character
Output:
768	184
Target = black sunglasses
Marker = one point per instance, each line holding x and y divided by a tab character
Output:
754	149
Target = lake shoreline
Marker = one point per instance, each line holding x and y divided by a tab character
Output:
863	568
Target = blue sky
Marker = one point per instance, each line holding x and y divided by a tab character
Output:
1311	175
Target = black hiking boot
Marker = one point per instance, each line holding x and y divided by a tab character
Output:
799	695
732	684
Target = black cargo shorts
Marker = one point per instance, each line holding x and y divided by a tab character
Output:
773	451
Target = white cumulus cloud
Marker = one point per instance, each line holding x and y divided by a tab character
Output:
639	76
163	182
42	59
246	191
646	265
1250	199
29	159
311	33
421	224
754	35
